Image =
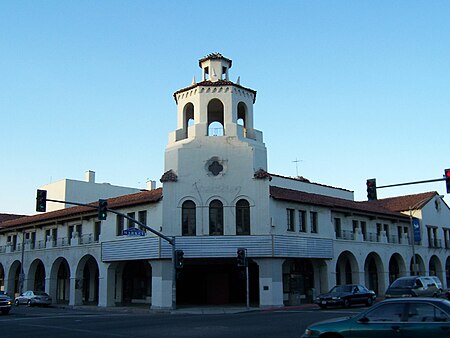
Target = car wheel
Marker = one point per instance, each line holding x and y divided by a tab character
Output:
29	303
346	302
16	302
330	335
369	302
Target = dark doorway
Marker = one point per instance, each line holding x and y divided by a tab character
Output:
216	282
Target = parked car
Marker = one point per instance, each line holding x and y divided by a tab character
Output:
346	295
31	298
400	317
437	281
5	303
413	286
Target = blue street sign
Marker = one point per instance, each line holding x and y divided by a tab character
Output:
133	232
416	228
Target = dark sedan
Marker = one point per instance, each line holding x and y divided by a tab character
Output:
399	317
346	295
5	303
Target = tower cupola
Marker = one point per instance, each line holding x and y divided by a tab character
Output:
215	67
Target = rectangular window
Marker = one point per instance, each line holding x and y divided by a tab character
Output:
314	222
337	227
119	225
47	235
142	217
33	240
97	231
386	231
355	226
290	219
399	234
79	230
364	229
131	224
70	230
302	220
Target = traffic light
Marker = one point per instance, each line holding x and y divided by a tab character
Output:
179	259
241	257
371	189
102	209
41	200
447	179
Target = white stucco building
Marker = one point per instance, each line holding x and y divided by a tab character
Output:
82	191
217	196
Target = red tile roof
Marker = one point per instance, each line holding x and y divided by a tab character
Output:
151	196
333	203
208	83
7	217
404	203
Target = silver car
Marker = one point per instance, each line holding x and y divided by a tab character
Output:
31	298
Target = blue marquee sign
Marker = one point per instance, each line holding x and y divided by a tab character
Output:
416	229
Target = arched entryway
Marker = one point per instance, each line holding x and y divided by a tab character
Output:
86	281
36	275
435	267
373	271
2	278
14	279
60	281
419	269
346	269
396	267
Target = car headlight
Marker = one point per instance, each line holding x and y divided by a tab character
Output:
336	298
308	332
9	302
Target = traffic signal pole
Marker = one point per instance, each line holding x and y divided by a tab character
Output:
372	187
409	183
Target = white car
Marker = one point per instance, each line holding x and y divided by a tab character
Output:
31	298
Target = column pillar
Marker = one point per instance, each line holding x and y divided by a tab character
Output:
162	284
270	282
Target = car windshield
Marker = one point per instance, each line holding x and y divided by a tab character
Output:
40	293
342	288
404	283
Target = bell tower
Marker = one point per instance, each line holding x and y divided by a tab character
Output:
215	154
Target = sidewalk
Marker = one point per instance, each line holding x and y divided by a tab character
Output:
197	310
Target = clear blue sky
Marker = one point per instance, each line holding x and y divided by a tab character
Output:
353	89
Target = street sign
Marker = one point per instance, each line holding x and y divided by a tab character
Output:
133	232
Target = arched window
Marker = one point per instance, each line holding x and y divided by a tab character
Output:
188	117
242	114
242	217
215	218
215	118
188	220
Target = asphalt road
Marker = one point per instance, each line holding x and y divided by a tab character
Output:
70	323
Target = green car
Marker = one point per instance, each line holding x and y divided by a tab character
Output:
397	317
